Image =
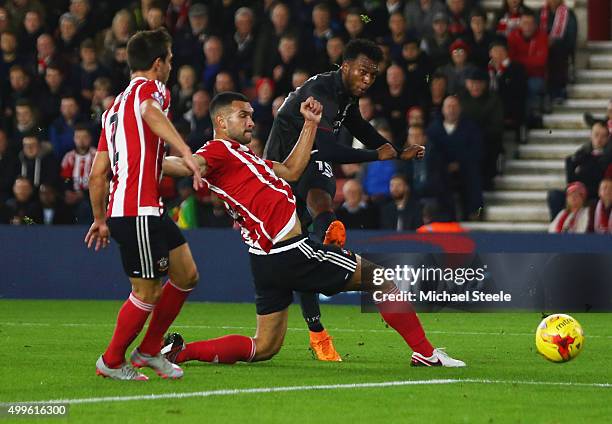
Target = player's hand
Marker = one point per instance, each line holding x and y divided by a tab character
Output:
413	151
195	168
311	110
99	234
386	152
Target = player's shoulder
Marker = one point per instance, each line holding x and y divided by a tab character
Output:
319	84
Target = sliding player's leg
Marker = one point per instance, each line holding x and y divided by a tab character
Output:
400	316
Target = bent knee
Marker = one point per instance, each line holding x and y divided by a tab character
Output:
148	295
187	280
266	351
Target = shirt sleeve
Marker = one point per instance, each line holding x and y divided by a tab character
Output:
156	91
102	144
214	153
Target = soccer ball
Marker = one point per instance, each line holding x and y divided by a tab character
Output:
559	338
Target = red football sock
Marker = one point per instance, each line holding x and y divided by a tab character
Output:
224	350
402	318
130	320
164	314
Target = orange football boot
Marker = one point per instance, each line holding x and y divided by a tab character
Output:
335	234
323	347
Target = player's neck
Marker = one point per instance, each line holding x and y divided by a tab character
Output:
152	75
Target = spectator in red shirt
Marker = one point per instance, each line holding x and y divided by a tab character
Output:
529	46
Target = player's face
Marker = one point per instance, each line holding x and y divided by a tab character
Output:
359	75
239	122
165	66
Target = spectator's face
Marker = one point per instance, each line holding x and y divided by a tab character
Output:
45	45
298	79
498	54
513	4
395	76
3	142
456	6
599	136
287	48
8	43
476	88
459	57
121	25
439	27
410	51
82	140
4	20
397	23
31	147
47	195
53	78
320	18
79	8
398	188
574	200
69	108
343	3
438	87
451	109
280	17
352	192
353	25
155	18
32	22
186	78
24	116
334	48
67	29
213	50
88	55
198	23
528	26
121	55
366	108
22	189
477	23
200	103
276	104
358	75
416	136
415	117
243	23
224	82
605	191
101	91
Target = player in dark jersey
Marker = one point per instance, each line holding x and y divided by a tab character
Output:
283	260
338	92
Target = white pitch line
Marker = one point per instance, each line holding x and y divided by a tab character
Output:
231	392
340	330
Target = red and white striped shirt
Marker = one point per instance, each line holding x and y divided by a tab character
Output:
77	167
135	152
259	201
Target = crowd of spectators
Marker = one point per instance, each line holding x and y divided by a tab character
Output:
451	79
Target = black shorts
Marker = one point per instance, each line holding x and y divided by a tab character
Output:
145	243
302	265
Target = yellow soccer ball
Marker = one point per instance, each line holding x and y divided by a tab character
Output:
559	338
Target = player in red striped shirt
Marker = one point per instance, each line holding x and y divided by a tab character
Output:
283	260
131	146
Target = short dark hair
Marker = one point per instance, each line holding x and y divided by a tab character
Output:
82	126
402	177
225	99
365	47
599	123
145	47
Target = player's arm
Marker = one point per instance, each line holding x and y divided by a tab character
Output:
158	122
98	190
175	166
291	169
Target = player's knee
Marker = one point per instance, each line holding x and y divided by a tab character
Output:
266	350
188	279
148	293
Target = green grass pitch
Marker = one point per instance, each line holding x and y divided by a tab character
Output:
49	349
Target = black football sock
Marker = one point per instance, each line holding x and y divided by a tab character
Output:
311	311
320	224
